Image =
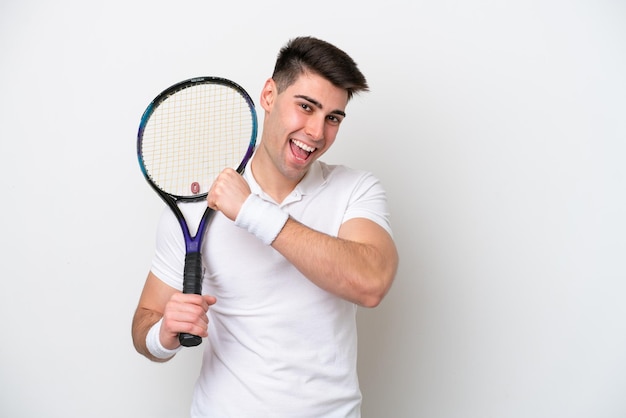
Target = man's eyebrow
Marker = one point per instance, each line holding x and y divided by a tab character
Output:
319	105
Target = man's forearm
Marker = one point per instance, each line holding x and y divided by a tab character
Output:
359	271
143	320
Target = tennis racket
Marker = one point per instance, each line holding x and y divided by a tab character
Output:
188	134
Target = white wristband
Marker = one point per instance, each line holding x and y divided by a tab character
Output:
261	218
153	343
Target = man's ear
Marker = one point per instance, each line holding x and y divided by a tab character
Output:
268	94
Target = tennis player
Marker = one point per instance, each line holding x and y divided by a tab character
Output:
295	247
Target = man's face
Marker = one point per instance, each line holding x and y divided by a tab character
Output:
301	122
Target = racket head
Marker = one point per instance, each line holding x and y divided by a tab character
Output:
192	131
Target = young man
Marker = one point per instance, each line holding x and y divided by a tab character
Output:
295	247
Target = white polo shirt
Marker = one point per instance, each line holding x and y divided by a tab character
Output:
278	345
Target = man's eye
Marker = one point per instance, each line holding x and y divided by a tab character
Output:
334	119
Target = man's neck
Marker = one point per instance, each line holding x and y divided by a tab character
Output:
270	179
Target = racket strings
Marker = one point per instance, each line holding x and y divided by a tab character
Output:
193	135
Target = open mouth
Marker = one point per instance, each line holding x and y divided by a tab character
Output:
301	150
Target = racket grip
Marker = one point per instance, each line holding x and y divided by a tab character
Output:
192	284
192	279
189	340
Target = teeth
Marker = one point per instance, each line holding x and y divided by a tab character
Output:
303	146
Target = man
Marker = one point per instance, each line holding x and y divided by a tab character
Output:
294	247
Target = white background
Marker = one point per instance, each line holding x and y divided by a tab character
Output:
498	129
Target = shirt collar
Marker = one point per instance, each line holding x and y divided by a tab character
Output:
312	180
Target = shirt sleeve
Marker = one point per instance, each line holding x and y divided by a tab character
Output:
369	201
169	255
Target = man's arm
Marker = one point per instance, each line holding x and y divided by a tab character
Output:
359	265
180	313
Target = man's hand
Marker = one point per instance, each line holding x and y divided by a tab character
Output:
180	313
185	313
228	193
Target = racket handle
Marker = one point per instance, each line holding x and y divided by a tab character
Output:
192	284
192	279
189	340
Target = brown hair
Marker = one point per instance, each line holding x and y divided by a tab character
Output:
304	54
